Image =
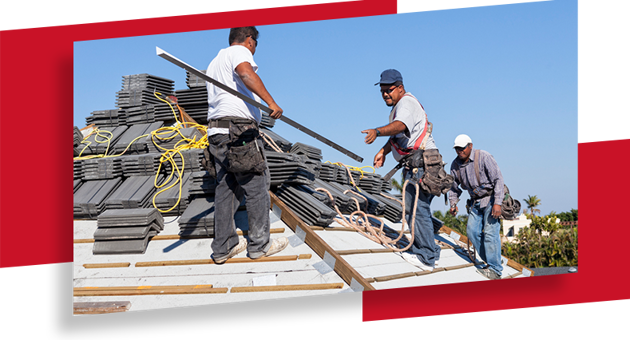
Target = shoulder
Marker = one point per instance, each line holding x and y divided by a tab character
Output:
409	100
409	105
484	154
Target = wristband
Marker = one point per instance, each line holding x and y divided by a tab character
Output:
378	133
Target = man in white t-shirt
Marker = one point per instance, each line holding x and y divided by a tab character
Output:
408	130
228	116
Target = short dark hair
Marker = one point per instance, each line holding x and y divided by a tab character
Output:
240	34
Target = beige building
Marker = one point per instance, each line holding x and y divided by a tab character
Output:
512	227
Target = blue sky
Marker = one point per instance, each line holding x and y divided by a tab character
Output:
505	75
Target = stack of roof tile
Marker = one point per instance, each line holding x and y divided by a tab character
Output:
168	139
78	137
134	192
89	199
307	150
342	175
282	143
130	140
126	231
140	165
195	102
173	197
393	208
78	169
288	168
113	117
151	113
139	89
202	184
374	206
102	141
354	199
102	168
191	159
367	181
309	208
77	185
194	81
198	218
342	201
328	172
266	121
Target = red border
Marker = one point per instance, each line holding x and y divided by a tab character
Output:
42	233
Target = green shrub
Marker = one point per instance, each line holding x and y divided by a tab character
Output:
534	248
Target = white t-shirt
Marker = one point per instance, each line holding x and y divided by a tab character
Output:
409	111
222	104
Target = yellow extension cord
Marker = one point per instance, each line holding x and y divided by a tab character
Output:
161	134
354	168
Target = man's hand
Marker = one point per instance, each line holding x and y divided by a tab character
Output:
277	111
379	159
371	135
453	211
496	211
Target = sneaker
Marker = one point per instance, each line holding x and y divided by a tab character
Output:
277	245
489	273
416	261
242	244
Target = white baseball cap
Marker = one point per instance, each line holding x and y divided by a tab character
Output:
461	141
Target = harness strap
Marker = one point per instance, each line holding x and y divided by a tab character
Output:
421	141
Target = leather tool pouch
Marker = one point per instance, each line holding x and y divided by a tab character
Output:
208	163
416	159
244	154
435	180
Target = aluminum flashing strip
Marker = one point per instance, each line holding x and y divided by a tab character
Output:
165	55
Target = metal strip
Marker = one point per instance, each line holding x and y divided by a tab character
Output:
161	53
327	265
356	286
298	238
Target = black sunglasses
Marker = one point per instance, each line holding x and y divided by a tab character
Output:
254	39
459	149
388	91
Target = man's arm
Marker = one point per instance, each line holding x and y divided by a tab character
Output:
253	82
390	129
379	159
454	192
496	178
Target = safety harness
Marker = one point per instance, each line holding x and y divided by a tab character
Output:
435	180
509	207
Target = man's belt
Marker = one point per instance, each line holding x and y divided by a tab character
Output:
225	122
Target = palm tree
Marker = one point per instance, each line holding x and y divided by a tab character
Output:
398	185
532	202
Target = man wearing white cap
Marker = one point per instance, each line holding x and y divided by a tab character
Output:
477	172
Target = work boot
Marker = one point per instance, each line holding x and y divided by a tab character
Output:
242	244
489	273
277	245
415	260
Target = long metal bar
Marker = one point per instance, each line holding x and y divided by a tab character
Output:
161	53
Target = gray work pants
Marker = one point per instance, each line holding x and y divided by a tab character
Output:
231	189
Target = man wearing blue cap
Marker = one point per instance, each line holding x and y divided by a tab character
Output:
408	131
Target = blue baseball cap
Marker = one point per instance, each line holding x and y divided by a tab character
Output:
390	76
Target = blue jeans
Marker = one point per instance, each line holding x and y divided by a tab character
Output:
229	193
484	233
423	240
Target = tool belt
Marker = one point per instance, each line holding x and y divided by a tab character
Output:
435	180
244	155
509	207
